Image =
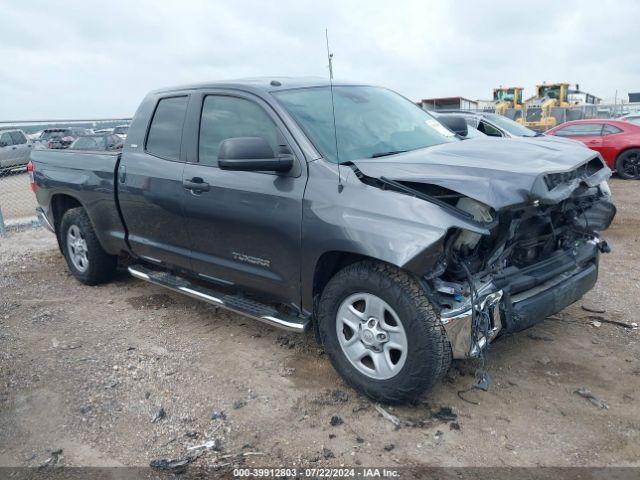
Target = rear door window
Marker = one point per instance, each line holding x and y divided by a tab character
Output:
610	129
165	132
489	129
581	130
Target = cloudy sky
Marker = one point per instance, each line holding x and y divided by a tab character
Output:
88	59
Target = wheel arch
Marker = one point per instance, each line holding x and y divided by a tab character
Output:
330	263
60	203
626	149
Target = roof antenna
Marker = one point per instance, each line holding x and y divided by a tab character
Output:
333	108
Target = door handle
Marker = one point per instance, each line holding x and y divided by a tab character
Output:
196	184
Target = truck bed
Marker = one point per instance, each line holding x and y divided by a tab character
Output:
88	176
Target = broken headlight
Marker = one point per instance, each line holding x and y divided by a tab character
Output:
481	213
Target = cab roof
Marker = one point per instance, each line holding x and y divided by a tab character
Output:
262	84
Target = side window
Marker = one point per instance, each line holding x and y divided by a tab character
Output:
490	130
610	129
18	138
5	139
581	130
165	133
229	117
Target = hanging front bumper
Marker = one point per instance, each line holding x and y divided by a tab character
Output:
519	299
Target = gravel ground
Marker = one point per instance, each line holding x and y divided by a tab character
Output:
127	373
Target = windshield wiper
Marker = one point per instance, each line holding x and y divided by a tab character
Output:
385	154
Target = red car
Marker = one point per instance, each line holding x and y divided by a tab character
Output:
617	141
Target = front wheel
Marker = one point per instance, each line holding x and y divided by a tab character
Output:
381	332
628	164
86	258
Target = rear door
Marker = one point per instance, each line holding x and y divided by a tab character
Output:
245	227
150	191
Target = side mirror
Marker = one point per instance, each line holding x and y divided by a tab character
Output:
251	154
457	125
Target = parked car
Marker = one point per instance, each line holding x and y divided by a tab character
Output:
401	246
458	125
104	131
121	130
617	141
97	142
499	126
632	117
59	138
34	136
15	149
492	124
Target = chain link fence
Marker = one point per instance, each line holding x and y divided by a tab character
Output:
17	140
17	201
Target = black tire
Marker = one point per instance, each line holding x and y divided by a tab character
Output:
101	266
429	352
628	164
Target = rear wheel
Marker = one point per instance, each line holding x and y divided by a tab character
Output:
86	258
628	164
381	333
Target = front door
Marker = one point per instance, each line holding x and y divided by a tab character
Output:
150	190
244	226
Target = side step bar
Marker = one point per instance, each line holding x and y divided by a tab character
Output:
235	303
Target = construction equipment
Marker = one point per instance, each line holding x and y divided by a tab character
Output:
508	101
548	107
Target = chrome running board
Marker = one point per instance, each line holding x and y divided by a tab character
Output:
235	303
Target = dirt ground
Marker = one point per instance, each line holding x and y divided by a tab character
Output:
86	370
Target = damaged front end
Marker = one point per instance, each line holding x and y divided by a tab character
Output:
538	258
523	237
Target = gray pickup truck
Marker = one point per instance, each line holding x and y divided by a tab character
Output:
345	209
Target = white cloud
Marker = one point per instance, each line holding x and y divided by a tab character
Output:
88	59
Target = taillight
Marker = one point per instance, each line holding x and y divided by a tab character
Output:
32	182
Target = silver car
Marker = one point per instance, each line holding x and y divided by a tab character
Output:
14	149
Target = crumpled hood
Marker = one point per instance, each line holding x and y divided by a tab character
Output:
496	172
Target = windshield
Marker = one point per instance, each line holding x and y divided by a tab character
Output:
369	121
514	128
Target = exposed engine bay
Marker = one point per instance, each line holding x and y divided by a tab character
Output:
528	246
